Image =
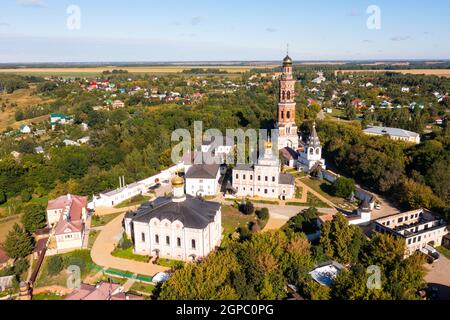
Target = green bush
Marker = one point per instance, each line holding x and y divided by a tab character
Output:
247	208
263	214
343	187
55	265
25	195
21	266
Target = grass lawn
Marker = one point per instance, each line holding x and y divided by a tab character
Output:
141	288
275	203
444	251
135	201
323	187
171	263
129	255
313	201
47	296
100	221
233	219
81	258
43	200
92	237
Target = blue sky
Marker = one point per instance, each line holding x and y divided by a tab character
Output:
213	30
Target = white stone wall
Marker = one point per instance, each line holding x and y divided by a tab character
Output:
207	187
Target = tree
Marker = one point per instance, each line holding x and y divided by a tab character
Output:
25	195
340	240
344	187
247	208
2	197
263	214
19	243
55	265
34	217
21	266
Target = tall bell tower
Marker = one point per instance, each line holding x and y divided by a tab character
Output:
287	128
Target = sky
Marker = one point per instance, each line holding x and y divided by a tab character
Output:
219	30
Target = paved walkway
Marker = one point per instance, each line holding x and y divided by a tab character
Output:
105	244
439	276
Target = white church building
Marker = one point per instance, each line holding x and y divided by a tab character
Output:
264	179
178	228
311	157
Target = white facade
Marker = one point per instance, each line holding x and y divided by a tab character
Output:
264	179
69	240
115	197
171	240
180	228
203	187
417	229
312	154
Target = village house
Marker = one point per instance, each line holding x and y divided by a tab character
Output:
25	129
179	228
66	216
203	180
58	118
117	104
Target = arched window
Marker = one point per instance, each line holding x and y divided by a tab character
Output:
318	151
288	115
311	151
282	115
193	244
283	95
289	95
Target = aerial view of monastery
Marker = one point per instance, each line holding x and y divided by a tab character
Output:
231	151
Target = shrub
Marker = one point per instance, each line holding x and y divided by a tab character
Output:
247	208
343	187
21	266
25	195
125	243
263	214
55	265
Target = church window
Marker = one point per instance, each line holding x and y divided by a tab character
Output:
244	177
289	95
143	237
318	151
179	242
311	151
193	244
157	239
288	115
266	191
283	95
168	241
237	176
251	177
259	178
282	114
267	179
273	179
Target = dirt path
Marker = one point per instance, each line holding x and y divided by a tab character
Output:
105	244
104	211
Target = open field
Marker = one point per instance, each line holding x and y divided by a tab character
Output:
23	98
97	70
6	225
428	72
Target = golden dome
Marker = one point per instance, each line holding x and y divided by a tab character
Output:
269	145
177	181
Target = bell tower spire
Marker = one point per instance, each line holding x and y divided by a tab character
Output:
287	128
